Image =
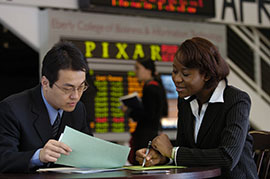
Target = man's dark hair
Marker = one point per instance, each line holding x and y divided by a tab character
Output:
63	55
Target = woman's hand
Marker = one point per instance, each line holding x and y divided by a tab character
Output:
124	108
153	157
163	144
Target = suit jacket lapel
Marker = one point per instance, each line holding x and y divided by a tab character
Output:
190	125
66	120
186	114
211	114
42	121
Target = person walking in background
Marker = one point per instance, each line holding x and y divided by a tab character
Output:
213	117
154	107
32	121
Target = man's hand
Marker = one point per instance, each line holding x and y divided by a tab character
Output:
153	157
163	144
53	150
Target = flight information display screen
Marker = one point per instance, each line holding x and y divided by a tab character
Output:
204	8
111	85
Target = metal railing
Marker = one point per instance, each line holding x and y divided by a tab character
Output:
261	50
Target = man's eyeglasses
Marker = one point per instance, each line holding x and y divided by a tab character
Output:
71	89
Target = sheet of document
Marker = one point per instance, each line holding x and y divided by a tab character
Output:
77	170
58	170
91	152
138	167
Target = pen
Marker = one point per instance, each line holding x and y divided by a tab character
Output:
146	153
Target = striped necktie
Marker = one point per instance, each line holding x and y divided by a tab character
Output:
55	126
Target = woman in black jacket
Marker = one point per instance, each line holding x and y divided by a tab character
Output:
154	107
213	117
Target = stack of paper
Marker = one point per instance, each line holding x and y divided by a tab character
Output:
77	170
157	167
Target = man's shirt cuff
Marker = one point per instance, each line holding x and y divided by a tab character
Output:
35	160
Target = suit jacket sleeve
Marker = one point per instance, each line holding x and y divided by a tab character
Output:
11	159
25	127
232	119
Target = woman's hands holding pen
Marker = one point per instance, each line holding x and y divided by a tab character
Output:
163	144
53	150
153	157
159	153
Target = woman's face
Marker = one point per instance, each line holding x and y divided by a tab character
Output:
142	73
188	81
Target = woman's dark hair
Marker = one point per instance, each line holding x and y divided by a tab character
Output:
63	55
202	54
150	65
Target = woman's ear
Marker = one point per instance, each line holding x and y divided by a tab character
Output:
206	77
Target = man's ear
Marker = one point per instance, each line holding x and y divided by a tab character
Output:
44	82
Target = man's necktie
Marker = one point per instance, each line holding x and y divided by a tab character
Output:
56	125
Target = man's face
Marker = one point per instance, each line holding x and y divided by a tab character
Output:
66	91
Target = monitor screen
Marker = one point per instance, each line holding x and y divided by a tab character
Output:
111	85
202	8
169	86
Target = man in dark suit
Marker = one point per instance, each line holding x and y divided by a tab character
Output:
32	121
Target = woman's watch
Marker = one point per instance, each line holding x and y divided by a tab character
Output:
173	153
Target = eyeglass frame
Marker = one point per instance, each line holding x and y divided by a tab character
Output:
73	88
